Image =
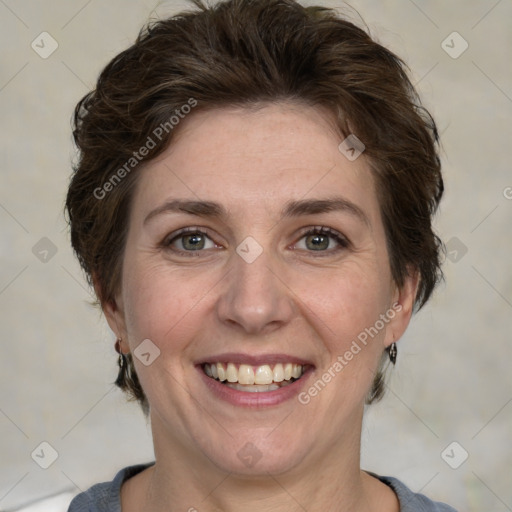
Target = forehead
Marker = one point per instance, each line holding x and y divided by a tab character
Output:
256	159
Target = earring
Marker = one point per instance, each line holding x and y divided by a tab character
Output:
119	351
123	366
393	352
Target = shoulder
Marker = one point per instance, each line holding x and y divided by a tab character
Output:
105	497
411	501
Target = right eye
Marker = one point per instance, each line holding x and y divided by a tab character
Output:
189	240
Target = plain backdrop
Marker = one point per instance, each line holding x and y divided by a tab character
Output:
452	383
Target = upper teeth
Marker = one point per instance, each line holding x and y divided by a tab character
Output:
247	374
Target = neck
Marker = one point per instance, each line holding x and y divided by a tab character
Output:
332	480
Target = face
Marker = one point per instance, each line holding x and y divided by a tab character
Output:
274	269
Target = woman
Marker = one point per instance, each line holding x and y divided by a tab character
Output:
253	205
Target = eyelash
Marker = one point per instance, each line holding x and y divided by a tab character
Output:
316	230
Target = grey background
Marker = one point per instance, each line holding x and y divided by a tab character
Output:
57	366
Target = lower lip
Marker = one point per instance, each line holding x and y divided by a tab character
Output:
259	399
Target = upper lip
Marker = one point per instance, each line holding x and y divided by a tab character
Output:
254	360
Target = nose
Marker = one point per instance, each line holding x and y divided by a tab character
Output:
255	298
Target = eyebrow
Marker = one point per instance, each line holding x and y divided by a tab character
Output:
291	208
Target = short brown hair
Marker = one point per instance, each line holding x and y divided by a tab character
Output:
244	53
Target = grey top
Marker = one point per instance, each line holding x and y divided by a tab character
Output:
105	497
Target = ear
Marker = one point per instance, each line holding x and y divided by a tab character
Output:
402	304
114	314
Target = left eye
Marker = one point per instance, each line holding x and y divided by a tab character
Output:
319	240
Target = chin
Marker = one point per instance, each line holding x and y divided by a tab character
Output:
256	458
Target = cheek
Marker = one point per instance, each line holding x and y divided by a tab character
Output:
344	311
165	308
157	302
345	302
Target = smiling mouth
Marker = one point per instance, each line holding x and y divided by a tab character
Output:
245	377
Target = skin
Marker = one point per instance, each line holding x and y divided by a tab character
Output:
291	299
